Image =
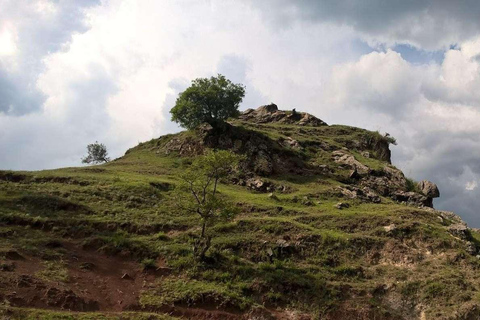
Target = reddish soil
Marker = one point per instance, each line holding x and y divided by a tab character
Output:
113	282
96	282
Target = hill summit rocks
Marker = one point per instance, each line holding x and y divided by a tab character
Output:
270	113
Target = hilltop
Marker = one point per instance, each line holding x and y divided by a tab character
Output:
328	228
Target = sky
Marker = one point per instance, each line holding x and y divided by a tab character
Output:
76	72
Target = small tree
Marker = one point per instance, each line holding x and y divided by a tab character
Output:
208	100
200	194
97	153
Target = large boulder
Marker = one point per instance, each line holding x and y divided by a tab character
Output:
429	189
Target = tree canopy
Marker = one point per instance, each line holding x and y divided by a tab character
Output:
210	100
97	153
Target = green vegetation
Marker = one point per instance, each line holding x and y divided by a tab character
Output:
210	100
96	153
54	271
32	314
194	292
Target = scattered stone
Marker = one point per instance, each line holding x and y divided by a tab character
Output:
306	201
126	276
390	227
282	243
273	196
342	205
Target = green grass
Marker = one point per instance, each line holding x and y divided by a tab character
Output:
193	293
32	314
53	271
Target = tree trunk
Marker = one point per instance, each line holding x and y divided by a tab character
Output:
203	229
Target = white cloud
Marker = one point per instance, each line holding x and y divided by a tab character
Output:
471	185
7	40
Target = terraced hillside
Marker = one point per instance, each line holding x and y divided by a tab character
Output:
328	229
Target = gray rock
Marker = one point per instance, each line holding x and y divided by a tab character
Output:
343	157
459	230
270	113
273	196
390	227
354	174
266	109
364	194
429	189
306	201
342	205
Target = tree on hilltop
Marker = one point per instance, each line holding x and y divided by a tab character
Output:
97	153
212	100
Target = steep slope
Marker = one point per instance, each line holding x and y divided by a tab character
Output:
328	229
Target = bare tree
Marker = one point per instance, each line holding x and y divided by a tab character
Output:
199	193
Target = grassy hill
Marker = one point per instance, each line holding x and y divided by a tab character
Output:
328	229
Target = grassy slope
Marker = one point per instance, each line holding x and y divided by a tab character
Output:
335	258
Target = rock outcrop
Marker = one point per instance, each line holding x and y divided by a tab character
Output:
429	189
386	182
345	158
270	113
